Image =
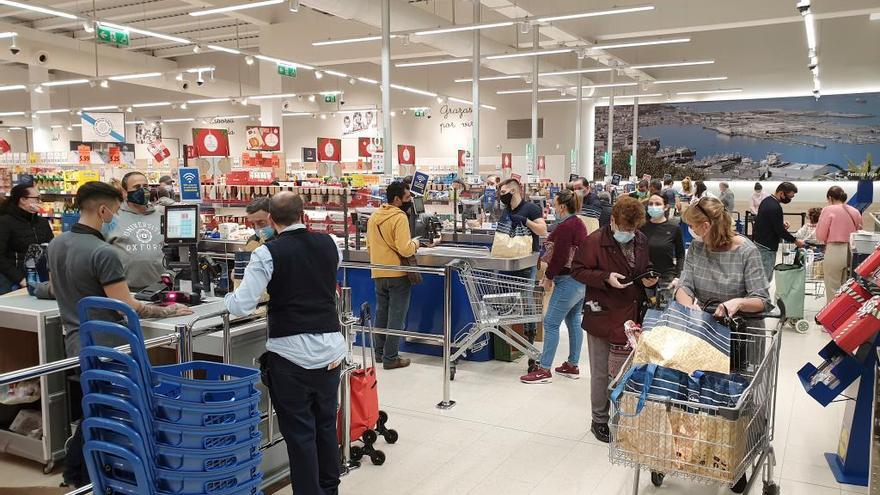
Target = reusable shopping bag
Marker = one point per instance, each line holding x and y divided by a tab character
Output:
684	338
364	401
791	280
707	445
512	240
716	389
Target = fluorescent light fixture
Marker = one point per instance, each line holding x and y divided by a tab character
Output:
103	107
810	25
35	8
8	34
76	125
171	121
196	70
468	102
283	62
57	110
16	128
296	114
134	121
335	73
875	16
557	100
224	49
489	78
525	91
630	44
368	80
11	114
233	117
13	87
457	29
608	85
56	126
594	14
145	32
709	92
671	64
433	62
695	79
128	77
414	90
271	97
575	71
65	82
361	39
331	93
233	8
208	100
532	53
649	95
152	104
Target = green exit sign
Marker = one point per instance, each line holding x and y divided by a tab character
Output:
329	98
286	70
607	158
632	160
419	113
115	36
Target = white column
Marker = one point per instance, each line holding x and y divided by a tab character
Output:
579	115
610	148
270	83
42	132
533	164
635	142
386	87
475	91
587	156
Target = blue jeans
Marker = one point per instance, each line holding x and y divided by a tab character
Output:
566	303
768	259
392	305
530	329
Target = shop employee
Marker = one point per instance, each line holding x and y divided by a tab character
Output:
305	346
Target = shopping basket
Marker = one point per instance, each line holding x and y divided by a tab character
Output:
702	442
791	280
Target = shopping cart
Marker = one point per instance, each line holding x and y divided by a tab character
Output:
701	442
498	301
814	256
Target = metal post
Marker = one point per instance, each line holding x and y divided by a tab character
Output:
227	340
447	403
455	216
610	147
475	90
579	106
184	345
635	141
345	391
386	86
533	161
346	221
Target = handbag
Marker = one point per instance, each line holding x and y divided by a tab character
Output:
414	278
511	241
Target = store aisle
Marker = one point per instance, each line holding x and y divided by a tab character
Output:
508	438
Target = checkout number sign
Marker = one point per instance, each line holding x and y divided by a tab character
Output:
420	182
190	184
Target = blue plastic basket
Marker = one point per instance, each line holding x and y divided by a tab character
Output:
223	383
115	384
217	480
212	414
193	460
197	437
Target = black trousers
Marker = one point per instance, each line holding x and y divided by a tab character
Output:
306	402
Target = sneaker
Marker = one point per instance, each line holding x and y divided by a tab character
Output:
601	432
568	370
395	363
539	375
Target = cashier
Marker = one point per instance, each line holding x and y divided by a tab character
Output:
137	233
305	345
258	216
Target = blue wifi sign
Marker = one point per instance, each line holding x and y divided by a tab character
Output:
190	185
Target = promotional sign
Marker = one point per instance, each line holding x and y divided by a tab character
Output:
542	164
463	156
506	160
377	163
329	150
190	151
85	154
615	179
211	142
147	133
159	151
310	155
103	127
362	123
190	185
4	147
263	138
116	155
419	183
517	177
364	147
406	154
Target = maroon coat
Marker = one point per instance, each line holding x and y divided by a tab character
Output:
596	258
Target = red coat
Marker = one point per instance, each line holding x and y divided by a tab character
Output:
596	258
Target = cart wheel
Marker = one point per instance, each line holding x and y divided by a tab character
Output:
383	417
740	485
452	373
657	478
802	326
377	458
369	437
391	436
49	467
770	488
356	452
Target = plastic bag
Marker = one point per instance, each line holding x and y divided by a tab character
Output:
20	393
28	422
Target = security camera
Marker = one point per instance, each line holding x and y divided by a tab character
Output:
342	100
285	105
200	82
184	85
42	58
803	6
13	48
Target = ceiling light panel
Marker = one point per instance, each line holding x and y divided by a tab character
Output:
709	92
208	100
489	78
224	49
458	29
13	87
598	13
630	44
152	104
671	64
690	80
36	8
233	8
434	62
532	53
66	82
127	77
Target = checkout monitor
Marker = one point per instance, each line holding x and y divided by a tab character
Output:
181	224
418	204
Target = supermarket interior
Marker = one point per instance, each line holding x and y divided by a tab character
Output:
314	247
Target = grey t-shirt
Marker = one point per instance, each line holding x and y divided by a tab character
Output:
81	264
138	236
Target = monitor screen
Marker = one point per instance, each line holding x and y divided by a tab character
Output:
181	223
418	204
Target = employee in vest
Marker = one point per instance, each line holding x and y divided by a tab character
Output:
305	346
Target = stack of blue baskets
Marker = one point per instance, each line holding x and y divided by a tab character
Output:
154	431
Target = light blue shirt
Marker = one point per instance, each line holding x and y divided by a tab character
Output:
307	350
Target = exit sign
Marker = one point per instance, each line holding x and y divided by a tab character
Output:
286	70
115	36
329	98
419	112
607	158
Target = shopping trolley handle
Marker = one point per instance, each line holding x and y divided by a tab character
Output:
366	314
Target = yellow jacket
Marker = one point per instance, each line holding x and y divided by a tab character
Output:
388	238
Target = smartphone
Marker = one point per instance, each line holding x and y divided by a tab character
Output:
648	274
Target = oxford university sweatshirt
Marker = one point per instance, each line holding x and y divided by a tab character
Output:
139	237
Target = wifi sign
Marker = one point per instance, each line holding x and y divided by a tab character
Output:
190	184
189	177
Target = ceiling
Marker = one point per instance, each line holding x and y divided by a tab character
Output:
759	45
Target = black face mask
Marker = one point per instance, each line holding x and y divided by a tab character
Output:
138	197
406	206
785	200
506	198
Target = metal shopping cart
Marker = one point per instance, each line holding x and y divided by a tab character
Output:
498	301
700	442
814	256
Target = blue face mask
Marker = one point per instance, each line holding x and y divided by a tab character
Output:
624	237
265	233
655	211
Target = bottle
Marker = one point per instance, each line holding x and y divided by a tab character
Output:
32	277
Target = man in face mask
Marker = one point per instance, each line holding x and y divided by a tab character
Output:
258	216
137	232
771	227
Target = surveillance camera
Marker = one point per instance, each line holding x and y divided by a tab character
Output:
342	101
812	66
285	105
42	58
14	49
184	85
200	82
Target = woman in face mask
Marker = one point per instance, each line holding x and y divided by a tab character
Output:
20	226
665	243
610	263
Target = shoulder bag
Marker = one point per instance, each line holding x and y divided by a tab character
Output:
414	278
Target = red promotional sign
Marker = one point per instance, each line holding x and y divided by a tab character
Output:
263	138
542	165
211	142
4	147
406	154
517	177
115	155
364	147
158	149
329	150
190	151
506	160
462	158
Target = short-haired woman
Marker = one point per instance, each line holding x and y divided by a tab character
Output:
837	221
608	263
567	298
20	226
665	242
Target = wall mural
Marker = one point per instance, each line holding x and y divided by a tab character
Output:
782	138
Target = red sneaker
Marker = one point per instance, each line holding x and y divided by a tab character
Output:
569	370
539	375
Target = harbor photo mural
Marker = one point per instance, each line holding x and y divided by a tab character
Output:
783	138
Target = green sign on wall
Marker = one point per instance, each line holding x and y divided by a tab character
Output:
329	98
286	70
114	36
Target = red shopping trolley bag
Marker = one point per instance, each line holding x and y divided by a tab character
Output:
364	393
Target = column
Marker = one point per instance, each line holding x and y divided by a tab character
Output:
635	141
610	149
42	130
587	158
533	162
386	87
270	83
577	166
475	90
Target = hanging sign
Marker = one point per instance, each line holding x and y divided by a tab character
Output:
419	183
506	160
542	165
406	154
115	155
4	146
310	155
119	37
190	185
211	142
286	70
159	151
364	147
377	163
263	138
329	150
85	154
103	127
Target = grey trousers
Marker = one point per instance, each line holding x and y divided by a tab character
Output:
768	259
604	365
392	305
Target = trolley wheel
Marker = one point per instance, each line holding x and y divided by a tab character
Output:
49	467
391	436
740	485
383	417
377	458
356	452
770	488
369	437
802	326
657	478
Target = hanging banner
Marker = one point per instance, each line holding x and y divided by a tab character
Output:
4	147
419	183
263	138
364	147
103	127
190	185
542	165
310	155
362	123
377	163
158	150
147	133
211	142
463	155
329	150
406	154
506	160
